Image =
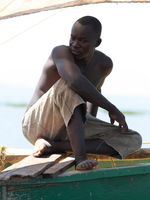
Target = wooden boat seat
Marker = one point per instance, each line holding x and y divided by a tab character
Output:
34	166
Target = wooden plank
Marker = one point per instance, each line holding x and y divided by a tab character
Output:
60	167
30	166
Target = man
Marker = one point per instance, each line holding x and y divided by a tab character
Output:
71	81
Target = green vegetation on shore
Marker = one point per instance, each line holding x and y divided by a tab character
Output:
131	112
126	112
16	104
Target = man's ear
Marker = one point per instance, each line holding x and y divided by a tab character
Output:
98	42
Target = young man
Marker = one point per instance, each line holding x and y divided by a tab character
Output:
61	115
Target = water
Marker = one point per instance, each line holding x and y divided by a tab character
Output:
11	116
11	133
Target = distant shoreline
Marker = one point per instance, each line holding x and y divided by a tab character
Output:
126	112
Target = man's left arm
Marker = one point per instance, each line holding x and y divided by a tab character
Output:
91	108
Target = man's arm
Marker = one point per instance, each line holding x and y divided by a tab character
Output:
48	77
70	72
37	94
91	108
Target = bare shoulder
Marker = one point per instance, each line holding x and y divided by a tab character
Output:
60	47
57	52
105	62
60	50
50	72
62	55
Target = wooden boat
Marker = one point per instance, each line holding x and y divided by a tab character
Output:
46	177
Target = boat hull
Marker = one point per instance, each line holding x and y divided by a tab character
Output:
118	183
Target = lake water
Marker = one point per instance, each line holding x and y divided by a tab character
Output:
10	116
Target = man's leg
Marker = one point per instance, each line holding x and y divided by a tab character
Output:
95	146
75	132
77	144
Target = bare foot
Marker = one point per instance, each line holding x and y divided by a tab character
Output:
87	164
41	146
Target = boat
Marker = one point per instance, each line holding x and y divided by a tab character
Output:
113	179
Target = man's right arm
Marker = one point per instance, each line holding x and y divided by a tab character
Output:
37	94
48	77
70	72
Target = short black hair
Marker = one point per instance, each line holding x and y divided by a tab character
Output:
94	22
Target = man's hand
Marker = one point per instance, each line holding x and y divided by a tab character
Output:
116	115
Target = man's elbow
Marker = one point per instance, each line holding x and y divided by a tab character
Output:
75	83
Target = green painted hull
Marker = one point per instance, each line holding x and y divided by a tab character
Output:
117	183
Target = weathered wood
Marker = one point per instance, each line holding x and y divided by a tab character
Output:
9	8
30	166
16	151
16	155
60	167
142	153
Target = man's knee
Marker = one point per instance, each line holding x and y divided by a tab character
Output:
137	140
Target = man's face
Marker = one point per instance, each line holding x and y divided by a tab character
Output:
82	41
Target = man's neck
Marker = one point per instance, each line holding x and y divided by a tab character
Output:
85	61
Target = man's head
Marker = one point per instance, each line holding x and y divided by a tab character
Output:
93	22
85	37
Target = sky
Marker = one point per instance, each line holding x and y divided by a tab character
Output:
27	41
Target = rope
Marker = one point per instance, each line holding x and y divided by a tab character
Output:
31	27
6	5
112	162
2	157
